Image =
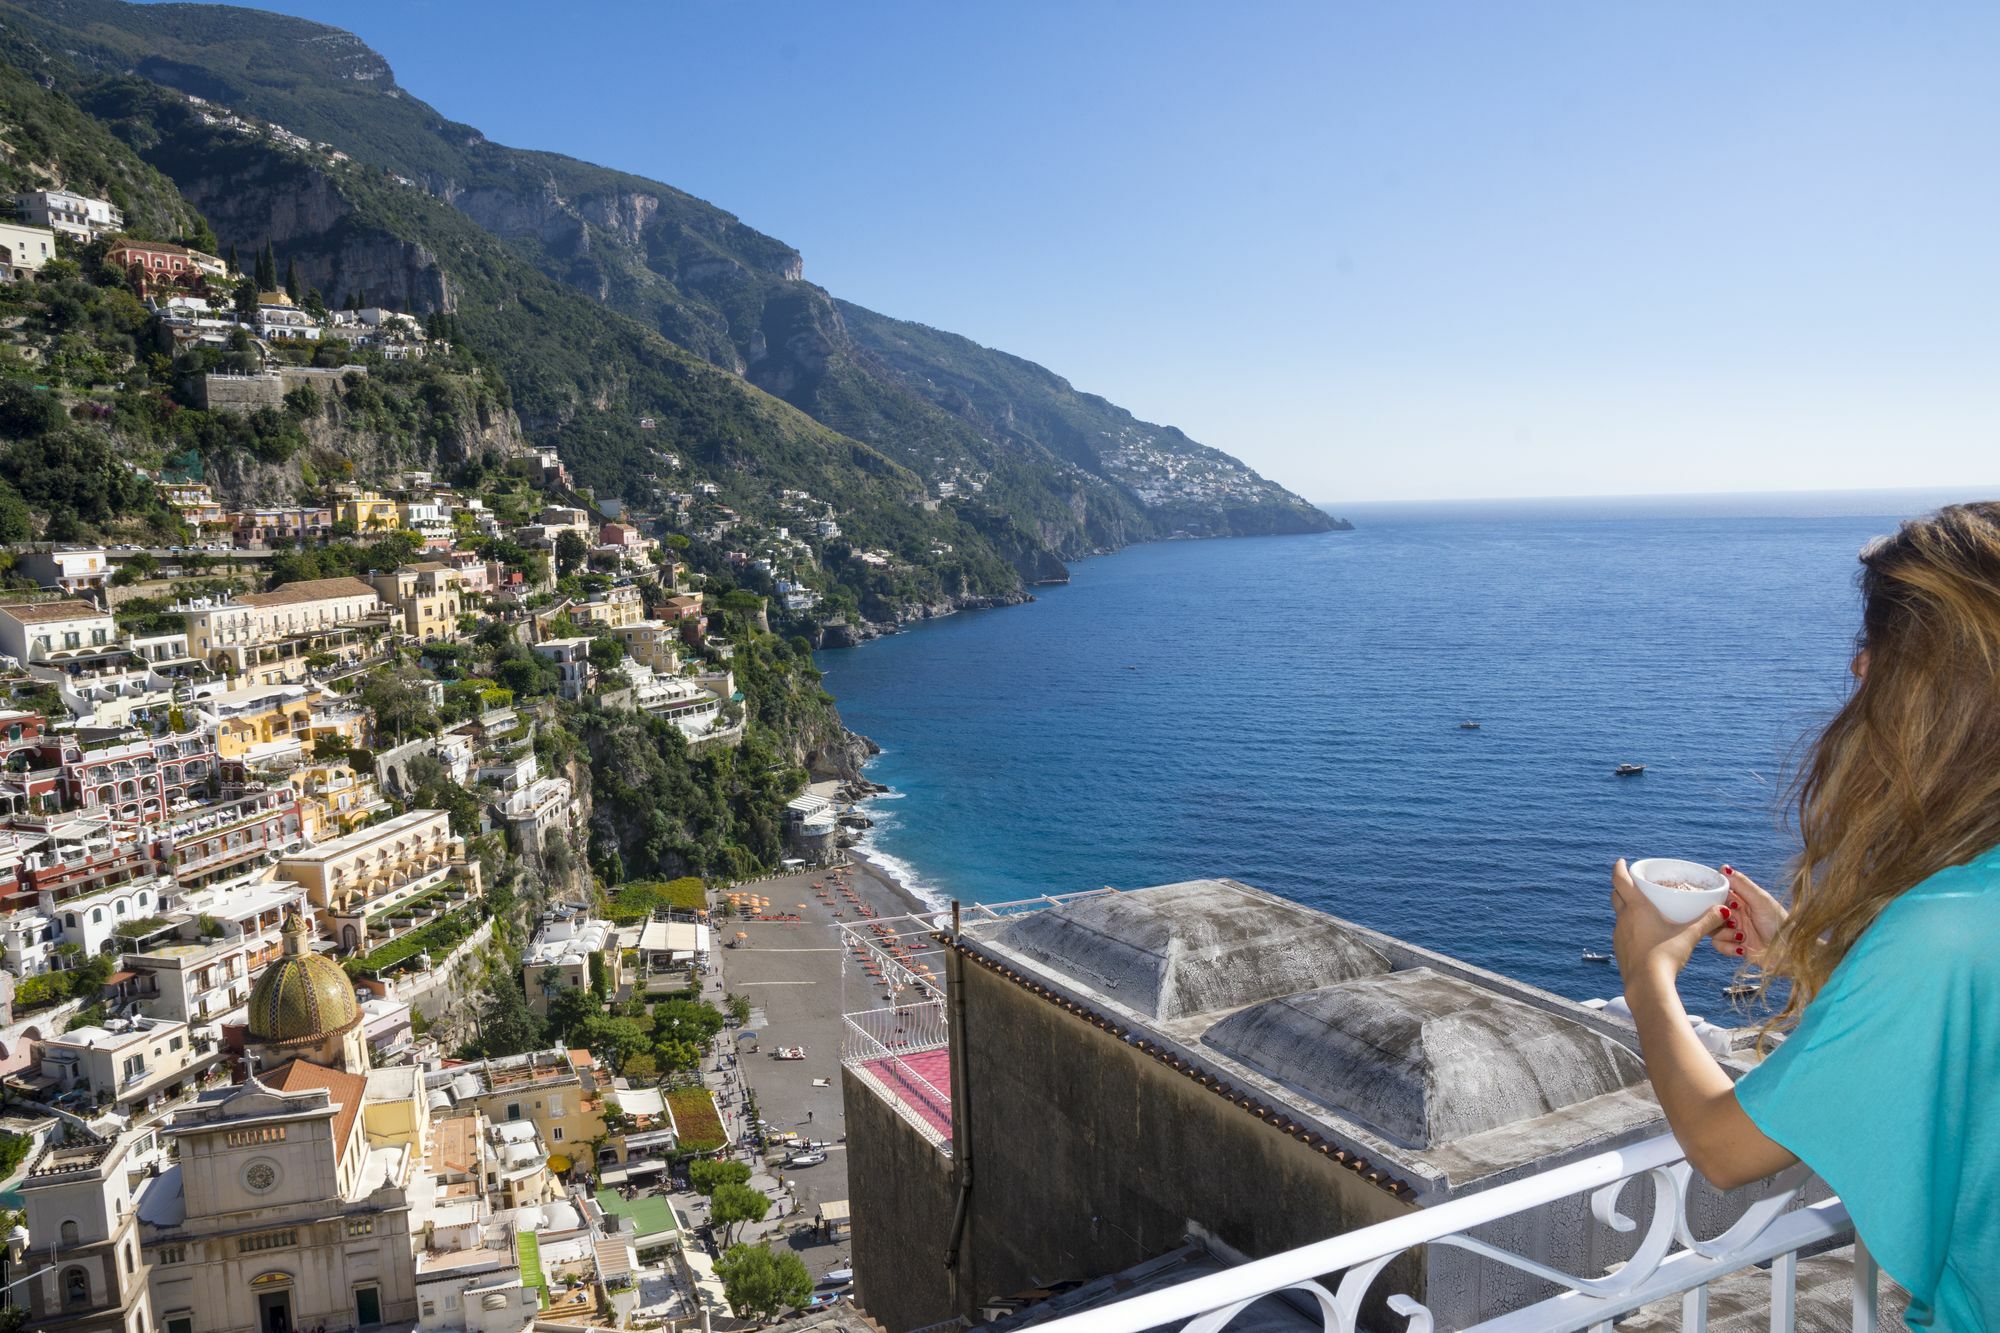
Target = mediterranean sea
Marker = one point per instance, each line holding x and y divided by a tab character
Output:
1286	711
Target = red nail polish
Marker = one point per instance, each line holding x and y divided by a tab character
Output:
1739	936
1739	953
1729	870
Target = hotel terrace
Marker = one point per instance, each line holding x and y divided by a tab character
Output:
281	628
355	879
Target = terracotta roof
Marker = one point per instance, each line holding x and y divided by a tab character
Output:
347	1090
160	247
30	612
308	590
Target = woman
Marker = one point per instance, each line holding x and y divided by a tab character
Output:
1888	1085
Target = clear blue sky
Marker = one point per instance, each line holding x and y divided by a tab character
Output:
1378	250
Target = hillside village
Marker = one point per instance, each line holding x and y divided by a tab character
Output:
296	820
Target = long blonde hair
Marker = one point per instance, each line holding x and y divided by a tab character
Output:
1905	780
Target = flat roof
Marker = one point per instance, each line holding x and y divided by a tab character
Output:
363	837
29	613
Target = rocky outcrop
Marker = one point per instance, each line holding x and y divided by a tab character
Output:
301	212
339	446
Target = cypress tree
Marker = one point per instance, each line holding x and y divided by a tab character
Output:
292	280
234	267
267	269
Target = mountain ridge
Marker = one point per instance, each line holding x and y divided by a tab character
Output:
1070	478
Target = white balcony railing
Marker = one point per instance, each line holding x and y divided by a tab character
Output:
1332	1278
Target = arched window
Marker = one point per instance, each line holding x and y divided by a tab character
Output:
69	1231
69	919
76	1287
131	1259
142	897
119	907
96	915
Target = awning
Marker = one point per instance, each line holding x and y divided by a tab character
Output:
833	1210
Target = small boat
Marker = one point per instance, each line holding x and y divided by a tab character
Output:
1741	990
1131	668
1629	770
1590	956
789	1053
1468	726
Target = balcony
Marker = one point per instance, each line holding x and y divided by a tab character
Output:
1333	1281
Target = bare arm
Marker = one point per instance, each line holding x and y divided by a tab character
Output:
1721	1142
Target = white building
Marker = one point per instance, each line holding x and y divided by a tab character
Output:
61	210
126	1063
72	569
23	251
53	631
559	958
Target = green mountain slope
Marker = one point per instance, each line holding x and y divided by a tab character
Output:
1079	480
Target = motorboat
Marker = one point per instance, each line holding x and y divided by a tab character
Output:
1629	770
1590	956
789	1053
1468	725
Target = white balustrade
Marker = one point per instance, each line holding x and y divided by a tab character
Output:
1333	1278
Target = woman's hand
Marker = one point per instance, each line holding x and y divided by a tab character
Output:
1750	919
1648	945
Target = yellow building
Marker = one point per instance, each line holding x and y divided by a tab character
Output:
258	721
652	643
430	596
356	879
556	1090
612	609
368	512
283	627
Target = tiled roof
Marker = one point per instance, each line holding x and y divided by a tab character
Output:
30	612
347	1090
308	590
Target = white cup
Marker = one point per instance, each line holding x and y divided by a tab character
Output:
1679	905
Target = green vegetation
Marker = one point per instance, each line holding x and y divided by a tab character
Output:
53	144
706	1175
52	988
638	901
14	1149
700	1124
731	1205
760	1282
436	938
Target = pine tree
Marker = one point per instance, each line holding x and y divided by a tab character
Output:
292	280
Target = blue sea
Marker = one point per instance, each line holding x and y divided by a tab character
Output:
1285	711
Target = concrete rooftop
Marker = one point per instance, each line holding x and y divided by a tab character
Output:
1443	1072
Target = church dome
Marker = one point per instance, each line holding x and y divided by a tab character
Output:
302	998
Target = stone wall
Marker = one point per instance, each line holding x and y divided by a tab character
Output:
240	393
902	1192
1089	1156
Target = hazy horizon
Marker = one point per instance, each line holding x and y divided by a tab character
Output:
1377	252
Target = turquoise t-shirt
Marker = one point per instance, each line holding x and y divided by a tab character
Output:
1889	1089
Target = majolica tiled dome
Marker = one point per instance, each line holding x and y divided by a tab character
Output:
302	998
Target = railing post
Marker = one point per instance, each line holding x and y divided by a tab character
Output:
1694	1311
1864	1288
1784	1291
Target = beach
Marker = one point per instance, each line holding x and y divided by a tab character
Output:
791	972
